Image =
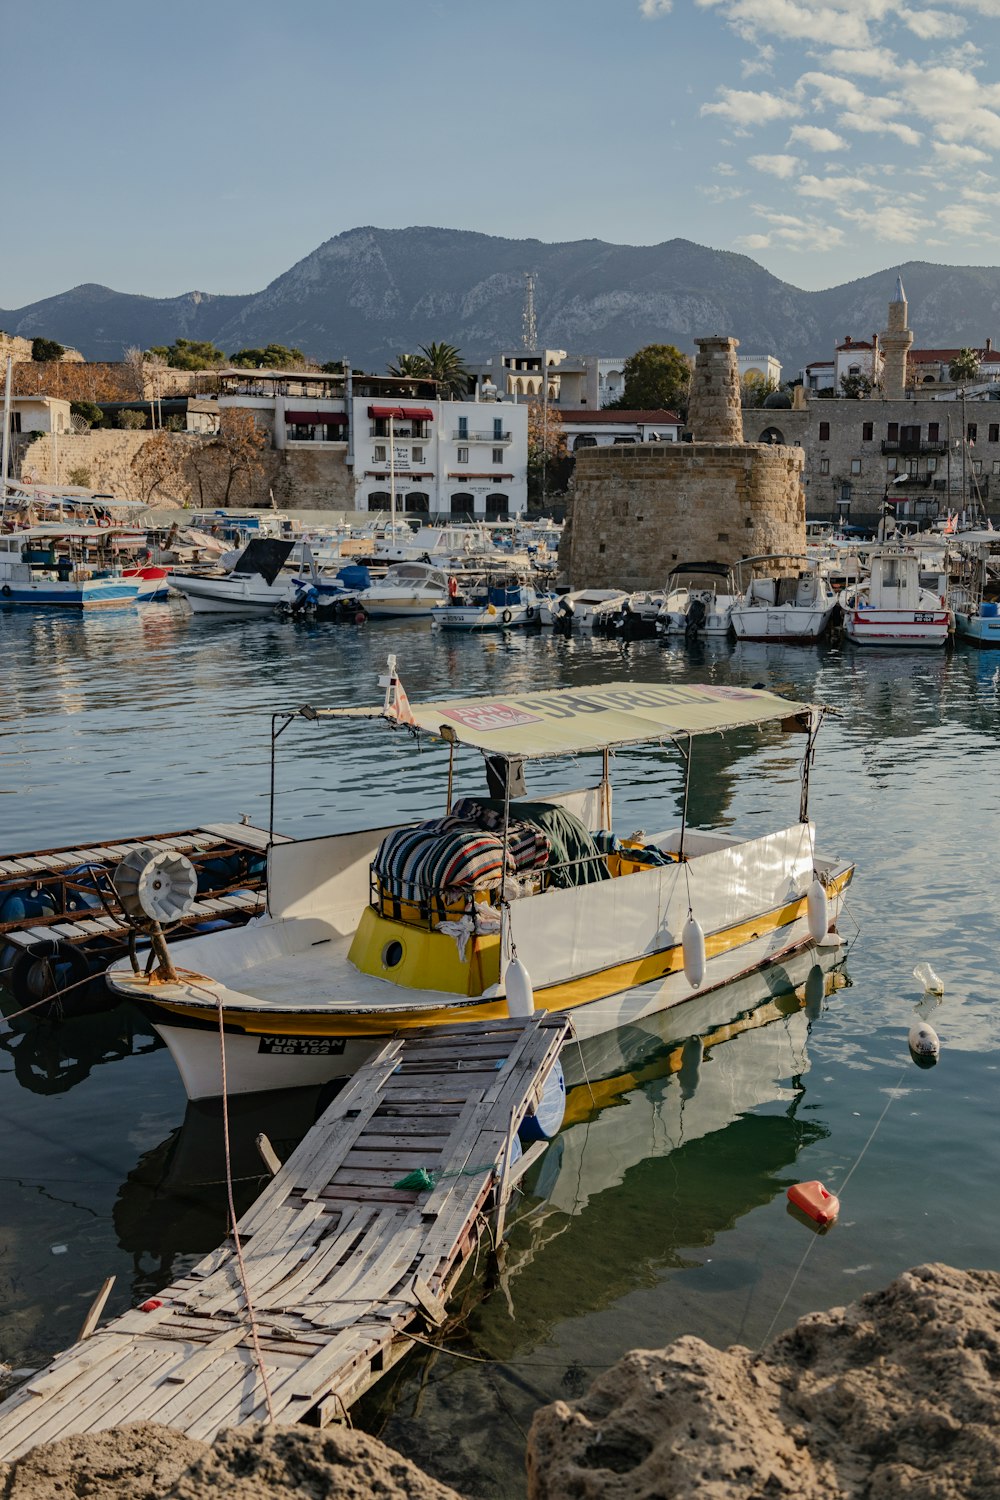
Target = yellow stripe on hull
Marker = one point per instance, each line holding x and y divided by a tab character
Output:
566	996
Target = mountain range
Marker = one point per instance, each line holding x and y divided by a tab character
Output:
369	294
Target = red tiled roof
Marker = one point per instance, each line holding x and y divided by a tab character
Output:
590	415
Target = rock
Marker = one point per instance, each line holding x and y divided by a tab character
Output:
148	1462
893	1398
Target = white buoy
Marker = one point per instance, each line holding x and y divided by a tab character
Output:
927	977
520	995
924	1042
818	911
693	947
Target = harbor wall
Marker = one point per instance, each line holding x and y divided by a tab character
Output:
639	511
105	456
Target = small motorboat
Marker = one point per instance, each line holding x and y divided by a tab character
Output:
577	610
891	607
782	601
700	599
255	585
977	618
63	564
496	604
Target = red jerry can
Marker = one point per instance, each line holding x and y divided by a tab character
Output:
814	1201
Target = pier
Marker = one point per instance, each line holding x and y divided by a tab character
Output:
349	1255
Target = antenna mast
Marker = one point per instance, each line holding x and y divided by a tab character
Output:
529	328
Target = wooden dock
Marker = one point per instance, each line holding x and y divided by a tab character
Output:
342	1264
59	871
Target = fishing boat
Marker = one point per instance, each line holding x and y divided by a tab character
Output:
700	599
977	618
891	607
504	903
256	585
63	565
781	600
494	605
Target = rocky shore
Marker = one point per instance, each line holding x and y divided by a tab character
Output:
893	1398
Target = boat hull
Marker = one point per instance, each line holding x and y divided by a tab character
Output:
982	630
782	624
95	593
897	627
231	596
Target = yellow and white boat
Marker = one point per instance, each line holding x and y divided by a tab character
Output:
503	904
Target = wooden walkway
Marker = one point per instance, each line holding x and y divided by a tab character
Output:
23	872
342	1265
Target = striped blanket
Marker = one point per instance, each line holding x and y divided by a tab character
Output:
451	856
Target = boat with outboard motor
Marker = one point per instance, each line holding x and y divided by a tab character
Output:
502	905
781	600
492	604
700	599
255	585
977	617
891	607
65	565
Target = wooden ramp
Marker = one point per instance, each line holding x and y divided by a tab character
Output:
342	1265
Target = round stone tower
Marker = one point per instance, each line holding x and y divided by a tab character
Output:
714	414
896	341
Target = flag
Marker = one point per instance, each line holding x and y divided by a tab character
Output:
400	709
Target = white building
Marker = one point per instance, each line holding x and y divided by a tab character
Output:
767	365
40	414
589	380
605	429
454	458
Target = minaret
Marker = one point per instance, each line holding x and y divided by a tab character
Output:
714	414
896	341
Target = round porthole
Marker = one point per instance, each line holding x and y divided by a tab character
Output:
392	954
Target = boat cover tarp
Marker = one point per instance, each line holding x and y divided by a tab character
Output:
563	721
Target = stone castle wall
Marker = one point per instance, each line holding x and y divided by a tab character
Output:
639	511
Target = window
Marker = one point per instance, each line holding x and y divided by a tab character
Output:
846	491
994	435
418	501
584	441
970	432
463	455
824	432
463	427
497	505
855	466
890	466
497	428
417	455
867	431
824	466
932	464
379	500
996	466
498	455
913	467
977	466
892	433
463	505
380	453
933	431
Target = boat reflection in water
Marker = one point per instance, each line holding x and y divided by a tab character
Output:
52	1057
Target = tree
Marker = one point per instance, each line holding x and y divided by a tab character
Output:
546	449
755	388
855	387
44	350
657	377
131	421
272	357
88	410
80	476
410	364
156	465
190	354
240	444
965	365
336	367
440	362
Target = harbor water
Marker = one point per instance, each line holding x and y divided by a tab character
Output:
660	1209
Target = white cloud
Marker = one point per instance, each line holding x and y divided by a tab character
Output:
873	62
754	241
797	232
930	25
870	121
716	193
831	187
797	22
890	224
962	219
725	169
762	63
957	156
977	195
744	107
777	166
651	9
817	138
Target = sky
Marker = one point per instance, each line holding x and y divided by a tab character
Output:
210	144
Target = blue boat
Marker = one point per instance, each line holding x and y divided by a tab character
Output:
65	566
977	619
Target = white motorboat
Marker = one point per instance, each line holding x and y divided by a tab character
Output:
891	607
372	933
255	585
631	618
66	565
498	604
576	611
700	599
782	601
408	590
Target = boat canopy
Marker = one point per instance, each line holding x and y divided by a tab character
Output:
566	721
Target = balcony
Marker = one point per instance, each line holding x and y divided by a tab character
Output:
913	445
410	432
481	437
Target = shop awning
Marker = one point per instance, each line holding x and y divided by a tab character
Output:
384	412
419	413
316	418
401	414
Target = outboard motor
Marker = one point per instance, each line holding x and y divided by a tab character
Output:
694	619
562	618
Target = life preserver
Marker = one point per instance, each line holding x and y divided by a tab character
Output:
529	613
452	587
104	520
506	616
6	590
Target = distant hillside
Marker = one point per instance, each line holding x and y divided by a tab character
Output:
370	294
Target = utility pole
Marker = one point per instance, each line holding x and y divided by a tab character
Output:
965	449
5	459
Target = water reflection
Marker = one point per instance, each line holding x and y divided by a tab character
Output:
51	1057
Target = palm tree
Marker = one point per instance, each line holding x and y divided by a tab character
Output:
444	364
965	365
409	365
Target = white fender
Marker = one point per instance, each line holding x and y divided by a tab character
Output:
520	995
924	1041
819	914
693	946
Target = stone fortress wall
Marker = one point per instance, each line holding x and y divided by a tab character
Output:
640	510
